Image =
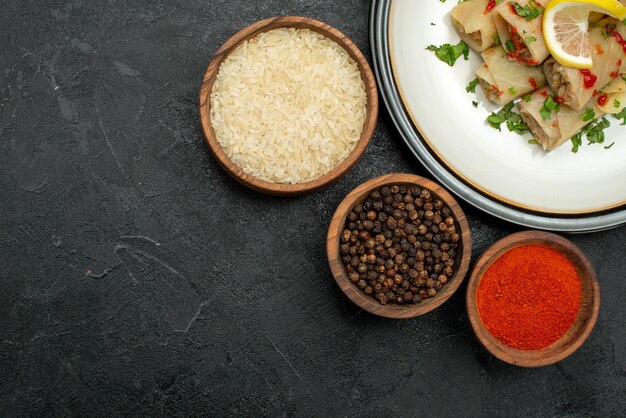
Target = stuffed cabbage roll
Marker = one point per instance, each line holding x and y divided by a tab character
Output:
612	98
503	80
473	22
577	87
561	124
519	27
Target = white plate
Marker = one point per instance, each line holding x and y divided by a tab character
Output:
500	164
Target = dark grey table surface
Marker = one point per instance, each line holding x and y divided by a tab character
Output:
138	279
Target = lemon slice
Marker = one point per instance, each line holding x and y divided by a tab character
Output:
565	25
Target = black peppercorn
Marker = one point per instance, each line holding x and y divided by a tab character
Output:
381	298
399	245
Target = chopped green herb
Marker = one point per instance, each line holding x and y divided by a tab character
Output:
514	122
622	115
595	131
609	146
512	90
588	115
616	103
509	46
548	106
527	98
529	40
495	120
450	53
471	87
475	103
577	141
529	12
496	39
432	24
533	141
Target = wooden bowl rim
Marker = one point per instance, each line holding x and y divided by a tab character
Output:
357	296
284	189
560	349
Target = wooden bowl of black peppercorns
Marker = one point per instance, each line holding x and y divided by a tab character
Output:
399	245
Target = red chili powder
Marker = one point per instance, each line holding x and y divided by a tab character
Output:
529	297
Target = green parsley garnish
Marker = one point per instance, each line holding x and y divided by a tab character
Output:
471	87
475	103
512	90
529	12
548	106
450	53
527	98
577	141
609	146
495	120
533	141
616	103
588	115
496	39
595	131
622	115
509	46
529	39
514	122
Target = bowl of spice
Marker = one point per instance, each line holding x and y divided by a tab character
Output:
288	105
533	298
399	245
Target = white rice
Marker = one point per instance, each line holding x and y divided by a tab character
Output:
288	105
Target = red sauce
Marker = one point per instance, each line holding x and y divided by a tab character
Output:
559	99
610	29
533	83
599	50
544	93
517	57
614	74
513	9
620	40
490	6
519	46
594	93
619	63
589	79
602	99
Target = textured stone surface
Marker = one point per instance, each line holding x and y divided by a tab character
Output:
137	278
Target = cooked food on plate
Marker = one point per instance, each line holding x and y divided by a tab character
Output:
474	23
503	79
560	63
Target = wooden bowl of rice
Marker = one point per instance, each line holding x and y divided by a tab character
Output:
288	105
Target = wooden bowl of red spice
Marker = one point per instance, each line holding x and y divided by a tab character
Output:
399	246
533	298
